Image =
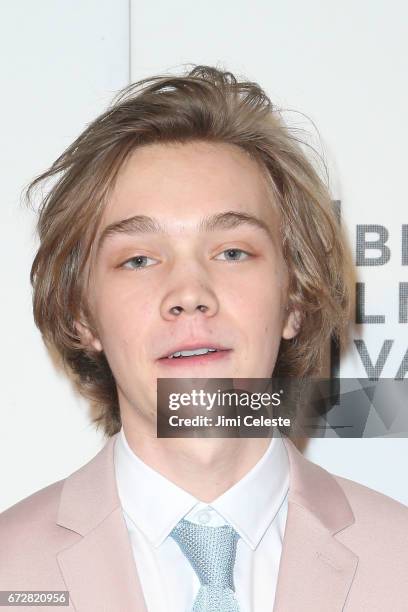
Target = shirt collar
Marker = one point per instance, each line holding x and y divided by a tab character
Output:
252	503
152	501
249	506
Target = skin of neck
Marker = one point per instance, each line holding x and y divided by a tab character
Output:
204	467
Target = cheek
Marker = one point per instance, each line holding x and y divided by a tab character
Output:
123	320
266	316
262	298
269	332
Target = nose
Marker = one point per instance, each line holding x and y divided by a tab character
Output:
189	297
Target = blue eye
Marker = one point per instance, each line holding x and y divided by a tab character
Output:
234	251
138	259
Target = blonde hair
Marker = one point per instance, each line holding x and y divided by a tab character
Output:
204	104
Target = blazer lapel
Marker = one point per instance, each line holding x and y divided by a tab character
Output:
98	569
315	573
316	570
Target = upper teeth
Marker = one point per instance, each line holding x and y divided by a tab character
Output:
199	351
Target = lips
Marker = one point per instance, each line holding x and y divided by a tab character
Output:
178	364
192	346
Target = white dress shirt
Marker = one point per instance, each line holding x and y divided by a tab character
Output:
256	507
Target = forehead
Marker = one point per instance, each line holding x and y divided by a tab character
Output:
179	183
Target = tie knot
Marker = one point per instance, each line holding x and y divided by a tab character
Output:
210	550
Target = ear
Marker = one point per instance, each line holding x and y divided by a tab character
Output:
292	324
86	336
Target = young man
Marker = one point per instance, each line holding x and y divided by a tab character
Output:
188	217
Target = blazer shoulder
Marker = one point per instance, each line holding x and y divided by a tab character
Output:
30	539
375	512
38	508
361	494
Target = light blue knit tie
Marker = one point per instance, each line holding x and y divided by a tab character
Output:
211	552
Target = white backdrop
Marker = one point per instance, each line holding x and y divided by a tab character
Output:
342	64
61	64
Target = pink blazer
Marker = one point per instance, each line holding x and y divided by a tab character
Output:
345	546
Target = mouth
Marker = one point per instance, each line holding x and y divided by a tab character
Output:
188	359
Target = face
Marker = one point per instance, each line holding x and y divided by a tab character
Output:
208	276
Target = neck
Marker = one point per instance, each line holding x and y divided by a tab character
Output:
204	467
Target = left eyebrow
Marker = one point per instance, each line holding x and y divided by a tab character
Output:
143	224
